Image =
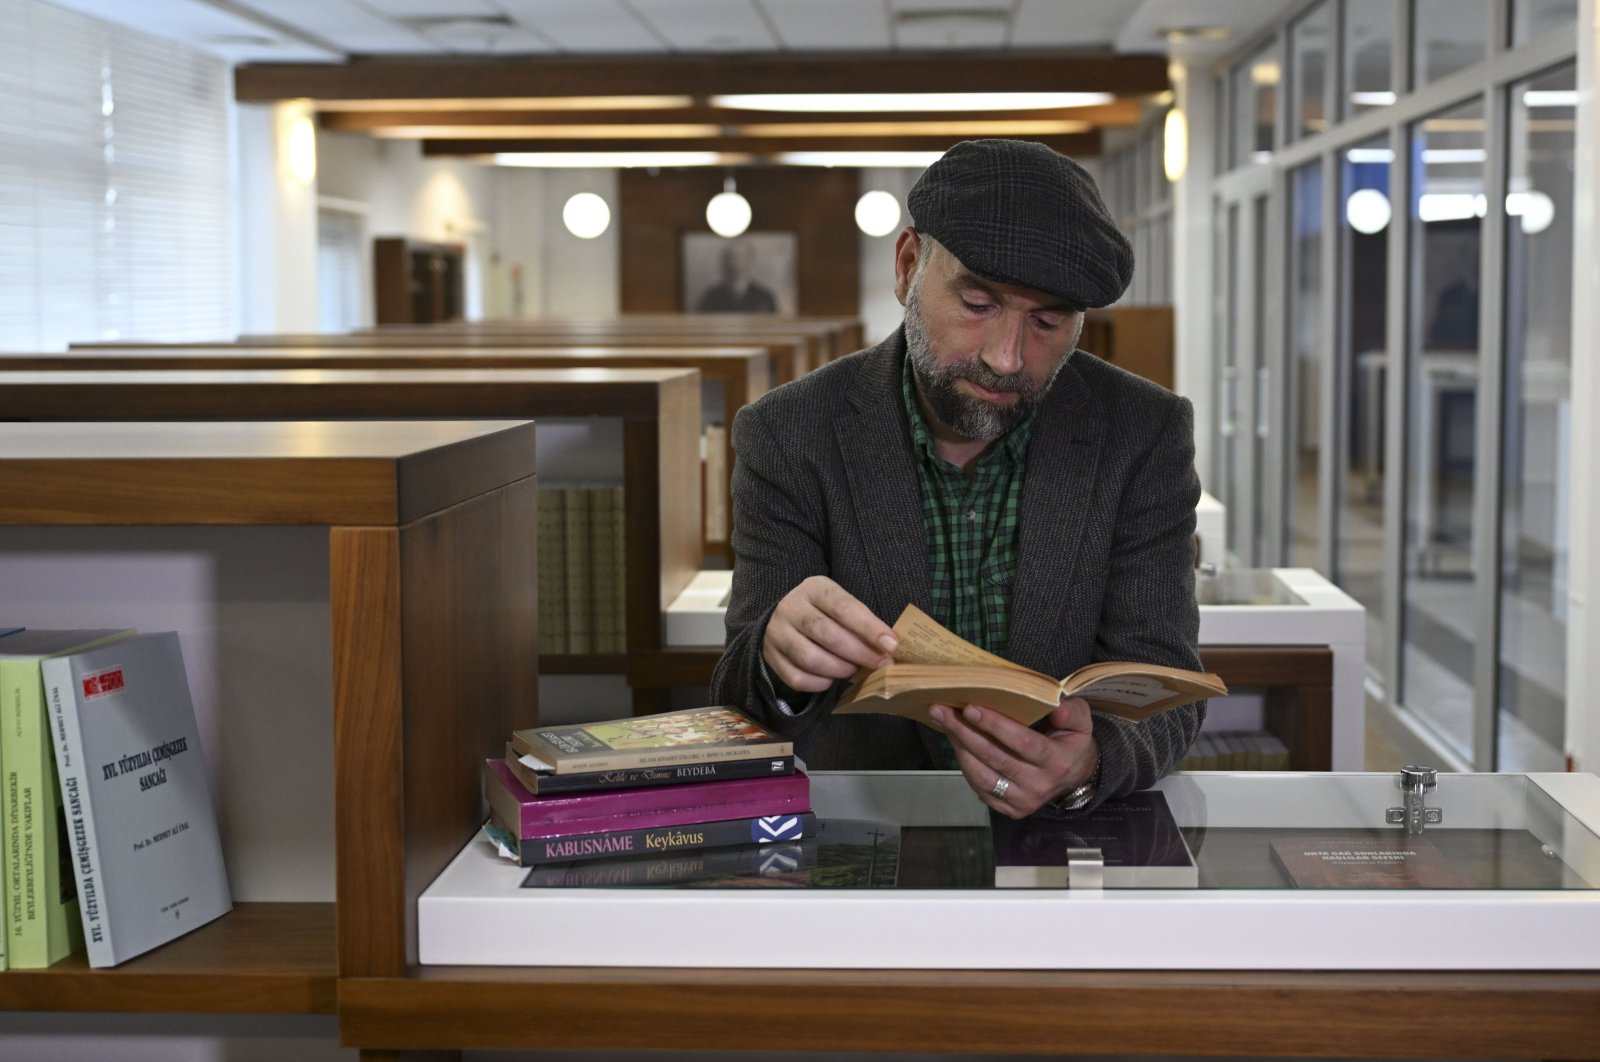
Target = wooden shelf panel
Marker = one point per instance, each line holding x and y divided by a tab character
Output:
260	958
1466	1015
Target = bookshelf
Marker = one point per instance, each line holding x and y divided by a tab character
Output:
659	410
426	527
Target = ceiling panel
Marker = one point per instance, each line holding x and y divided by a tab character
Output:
709	25
828	25
1241	18
470	38
431	9
954	30
595	27
353	26
1052	24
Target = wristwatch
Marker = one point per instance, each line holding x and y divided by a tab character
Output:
1077	798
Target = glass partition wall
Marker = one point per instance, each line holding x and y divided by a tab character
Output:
1394	253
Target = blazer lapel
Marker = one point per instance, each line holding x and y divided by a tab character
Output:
1059	487
883	481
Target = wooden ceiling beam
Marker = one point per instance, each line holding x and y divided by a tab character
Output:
1123	112
1075	144
701	76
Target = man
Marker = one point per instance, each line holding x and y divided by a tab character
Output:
1038	502
738	291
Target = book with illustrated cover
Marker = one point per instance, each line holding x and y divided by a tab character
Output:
41	901
841	854
543	781
935	666
1366	859
690	735
146	854
649	840
1140	845
528	815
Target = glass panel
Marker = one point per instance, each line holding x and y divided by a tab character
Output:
1441	423
1538	404
1534	18
1232	497
1303	425
927	830
1252	549
1308	50
1255	104
1363	316
1368	63
1450	35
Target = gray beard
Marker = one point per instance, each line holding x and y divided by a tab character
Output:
967	415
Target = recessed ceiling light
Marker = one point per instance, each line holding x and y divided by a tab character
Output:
868	102
1175	34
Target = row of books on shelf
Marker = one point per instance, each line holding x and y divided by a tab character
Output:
1237	750
110	842
582	560
714	443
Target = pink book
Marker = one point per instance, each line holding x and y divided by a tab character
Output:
598	811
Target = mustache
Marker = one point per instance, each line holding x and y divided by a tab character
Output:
975	371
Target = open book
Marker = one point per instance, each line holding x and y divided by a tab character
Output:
935	666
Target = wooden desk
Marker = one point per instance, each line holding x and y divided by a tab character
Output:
791	356
1093	1012
659	408
743	374
430	528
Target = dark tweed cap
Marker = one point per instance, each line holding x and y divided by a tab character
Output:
1017	212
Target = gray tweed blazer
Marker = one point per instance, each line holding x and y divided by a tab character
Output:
825	483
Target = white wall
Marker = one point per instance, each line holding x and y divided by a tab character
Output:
277	224
1191	235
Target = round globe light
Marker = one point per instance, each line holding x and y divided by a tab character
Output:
728	213
1536	209
878	213
1368	210
586	215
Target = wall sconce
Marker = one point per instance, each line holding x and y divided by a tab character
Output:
586	215
300	149
1175	145
877	213
728	212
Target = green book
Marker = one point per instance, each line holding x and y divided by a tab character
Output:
41	900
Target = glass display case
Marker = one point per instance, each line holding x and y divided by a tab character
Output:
1290	871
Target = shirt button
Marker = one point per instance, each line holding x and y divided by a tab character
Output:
972	514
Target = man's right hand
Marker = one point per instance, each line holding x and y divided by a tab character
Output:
820	633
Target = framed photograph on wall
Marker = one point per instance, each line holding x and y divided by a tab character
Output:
752	273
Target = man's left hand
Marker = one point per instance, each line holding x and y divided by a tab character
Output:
1040	765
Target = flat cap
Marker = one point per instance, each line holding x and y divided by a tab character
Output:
1020	213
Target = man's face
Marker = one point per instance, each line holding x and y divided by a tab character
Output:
983	354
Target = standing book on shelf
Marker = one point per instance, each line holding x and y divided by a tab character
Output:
145	848
1140	844
41	904
690	735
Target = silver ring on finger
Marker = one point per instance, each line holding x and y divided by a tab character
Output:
1002	785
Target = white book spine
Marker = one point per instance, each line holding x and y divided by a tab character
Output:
75	799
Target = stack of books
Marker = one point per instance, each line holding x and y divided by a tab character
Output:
644	786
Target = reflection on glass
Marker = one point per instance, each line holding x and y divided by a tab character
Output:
1363	314
1255	104
1233	500
1368	29
1304	423
1535	18
1308	51
1536	450
1442	363
1450	35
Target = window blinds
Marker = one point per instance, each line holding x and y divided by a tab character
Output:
115	213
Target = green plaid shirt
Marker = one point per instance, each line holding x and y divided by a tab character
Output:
970	528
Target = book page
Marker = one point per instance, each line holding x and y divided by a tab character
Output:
1133	690
924	641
